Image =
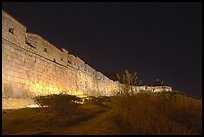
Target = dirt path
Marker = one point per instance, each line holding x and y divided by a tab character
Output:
97	120
101	124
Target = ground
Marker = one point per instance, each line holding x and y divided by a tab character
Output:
163	114
88	119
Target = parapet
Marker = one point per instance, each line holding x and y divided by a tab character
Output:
46	49
12	30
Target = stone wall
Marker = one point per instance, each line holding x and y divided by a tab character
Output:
32	66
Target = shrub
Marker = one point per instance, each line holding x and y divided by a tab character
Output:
58	103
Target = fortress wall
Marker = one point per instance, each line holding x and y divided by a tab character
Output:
32	66
27	73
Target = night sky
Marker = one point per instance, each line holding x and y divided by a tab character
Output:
156	40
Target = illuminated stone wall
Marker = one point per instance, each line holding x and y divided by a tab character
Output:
32	66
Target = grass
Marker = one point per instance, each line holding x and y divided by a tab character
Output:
166	114
146	114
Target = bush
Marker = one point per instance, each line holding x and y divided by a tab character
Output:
58	103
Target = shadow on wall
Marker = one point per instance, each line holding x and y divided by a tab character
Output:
9	91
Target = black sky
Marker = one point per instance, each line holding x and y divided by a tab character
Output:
157	40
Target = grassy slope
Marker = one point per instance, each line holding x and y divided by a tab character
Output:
159	114
140	114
